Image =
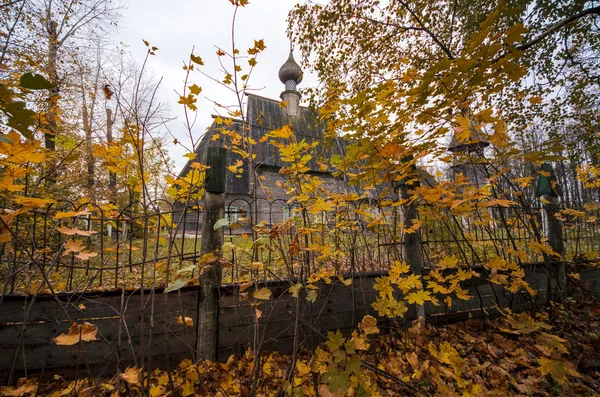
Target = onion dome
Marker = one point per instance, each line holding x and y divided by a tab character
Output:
290	71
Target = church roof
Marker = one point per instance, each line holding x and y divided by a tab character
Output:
264	115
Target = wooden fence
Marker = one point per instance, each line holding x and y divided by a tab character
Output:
150	335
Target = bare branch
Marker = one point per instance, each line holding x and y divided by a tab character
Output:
12	28
436	39
549	31
11	3
395	25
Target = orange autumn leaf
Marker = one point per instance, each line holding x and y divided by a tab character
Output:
188	321
74	231
24	386
499	202
17	152
368	325
132	375
85	332
73	246
85	255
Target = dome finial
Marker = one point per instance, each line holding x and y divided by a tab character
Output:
290	71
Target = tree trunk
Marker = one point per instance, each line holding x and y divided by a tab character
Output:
53	93
87	128
412	252
112	177
553	232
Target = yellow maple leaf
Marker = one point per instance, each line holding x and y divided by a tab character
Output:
536	100
303	368
263	293
524	182
188	389
195	89
419	297
17	152
157	391
33	201
295	290
284	132
559	369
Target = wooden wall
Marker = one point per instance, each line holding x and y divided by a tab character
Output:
28	345
50	316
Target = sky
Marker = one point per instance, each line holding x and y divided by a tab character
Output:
177	26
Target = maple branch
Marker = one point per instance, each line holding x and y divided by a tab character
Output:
452	23
11	3
395	25
422	28
429	32
577	63
549	31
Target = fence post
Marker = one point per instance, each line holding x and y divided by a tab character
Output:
211	242
548	191
412	252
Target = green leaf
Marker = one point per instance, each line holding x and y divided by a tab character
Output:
220	223
177	284
19	117
337	381
186	269
133	181
4	139
35	82
334	340
353	365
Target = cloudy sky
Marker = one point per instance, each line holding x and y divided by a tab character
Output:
177	26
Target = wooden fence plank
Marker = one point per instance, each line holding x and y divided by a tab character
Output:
337	306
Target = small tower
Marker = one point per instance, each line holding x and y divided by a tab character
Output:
470	152
290	74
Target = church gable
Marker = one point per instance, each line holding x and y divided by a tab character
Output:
264	115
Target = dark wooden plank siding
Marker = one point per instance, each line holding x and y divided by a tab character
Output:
337	307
